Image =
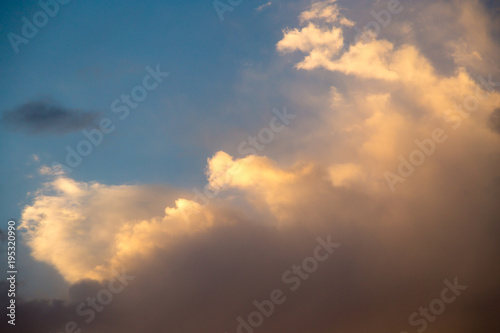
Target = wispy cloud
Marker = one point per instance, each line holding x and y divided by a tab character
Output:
261	7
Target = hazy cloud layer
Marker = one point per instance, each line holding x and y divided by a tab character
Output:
43	117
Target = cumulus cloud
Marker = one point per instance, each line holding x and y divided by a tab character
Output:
396	97
321	44
46	117
199	266
95	225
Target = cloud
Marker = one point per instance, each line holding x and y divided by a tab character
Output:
51	171
45	117
321	44
261	7
327	11
391	96
96	225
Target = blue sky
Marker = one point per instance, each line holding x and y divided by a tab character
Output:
106	48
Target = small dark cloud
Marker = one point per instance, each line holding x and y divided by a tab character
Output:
495	120
46	117
3	241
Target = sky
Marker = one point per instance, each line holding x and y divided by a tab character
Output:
251	166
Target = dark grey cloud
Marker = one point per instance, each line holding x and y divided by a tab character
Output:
45	117
3	242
